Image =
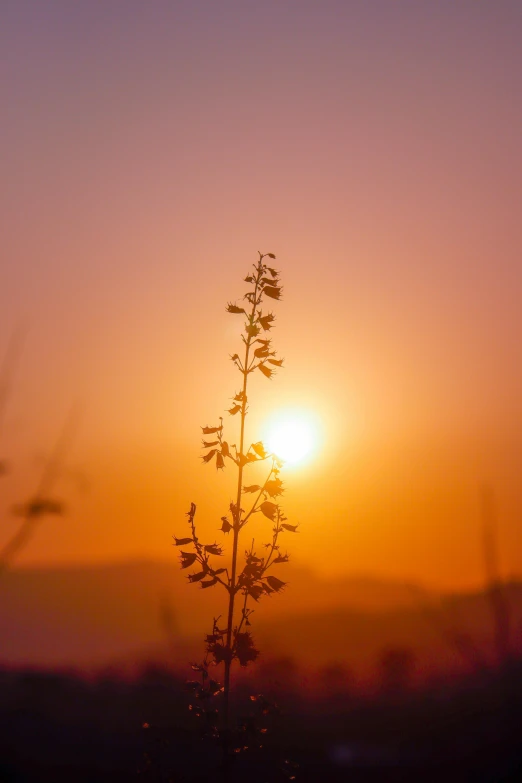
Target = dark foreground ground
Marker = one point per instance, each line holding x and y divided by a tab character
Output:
62	729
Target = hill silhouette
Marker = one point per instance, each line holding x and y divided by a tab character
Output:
120	613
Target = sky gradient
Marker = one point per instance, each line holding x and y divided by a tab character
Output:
150	149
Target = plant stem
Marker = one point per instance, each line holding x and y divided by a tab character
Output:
237	522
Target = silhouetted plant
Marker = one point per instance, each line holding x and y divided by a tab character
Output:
42	503
232	640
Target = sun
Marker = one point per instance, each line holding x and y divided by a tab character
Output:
292	436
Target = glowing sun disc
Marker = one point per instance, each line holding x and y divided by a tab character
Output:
291	437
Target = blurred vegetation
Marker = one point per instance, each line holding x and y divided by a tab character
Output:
59	727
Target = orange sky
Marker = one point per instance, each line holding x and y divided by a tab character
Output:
149	150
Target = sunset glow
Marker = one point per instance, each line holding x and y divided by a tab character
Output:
260	390
375	150
292	437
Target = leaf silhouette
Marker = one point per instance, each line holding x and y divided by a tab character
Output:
196	577
256	591
232	308
266	321
187	559
234	409
281	559
209	444
244	648
220	462
275	583
209	456
52	506
208	583
274	487
277	362
290	528
214	549
271	255
226	527
210	430
268	373
252	488
181	541
273	293
220	652
269	509
224	449
259	449
39	507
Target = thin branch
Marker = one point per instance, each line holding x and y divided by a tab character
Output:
261	491
50	474
244	614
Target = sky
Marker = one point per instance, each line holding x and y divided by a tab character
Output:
149	150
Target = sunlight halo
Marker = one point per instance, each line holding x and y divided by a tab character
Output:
292	436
